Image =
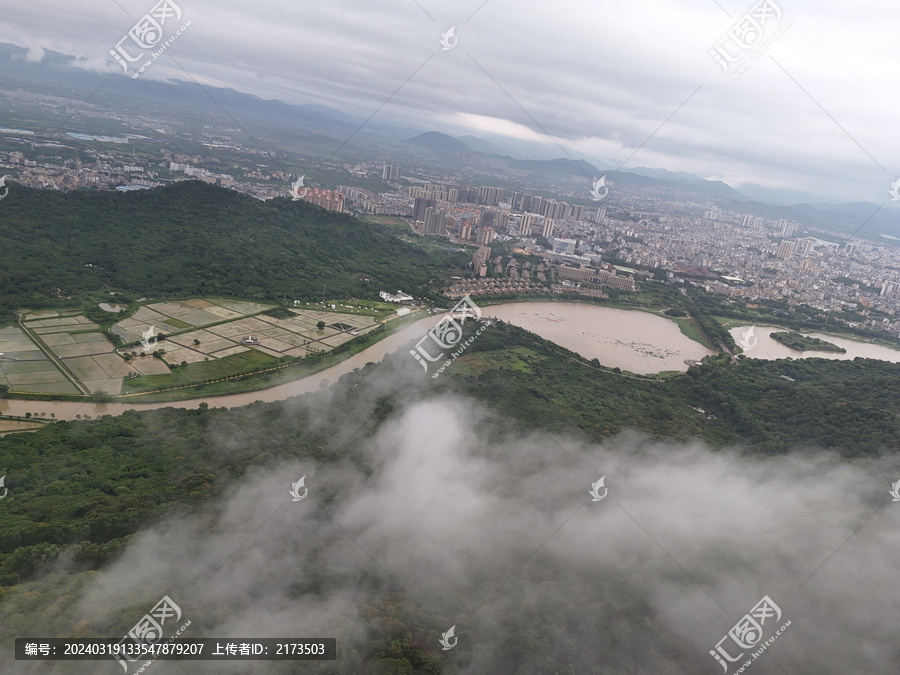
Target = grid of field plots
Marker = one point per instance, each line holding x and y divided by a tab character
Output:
87	354
218	325
24	367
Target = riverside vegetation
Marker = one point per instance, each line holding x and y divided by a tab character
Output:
79	491
804	343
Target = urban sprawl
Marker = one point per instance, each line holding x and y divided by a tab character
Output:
585	248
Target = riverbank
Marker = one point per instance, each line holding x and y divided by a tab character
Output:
641	343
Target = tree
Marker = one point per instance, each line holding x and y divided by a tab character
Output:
4	390
320	325
196	342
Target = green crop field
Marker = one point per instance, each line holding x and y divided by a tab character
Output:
202	343
202	371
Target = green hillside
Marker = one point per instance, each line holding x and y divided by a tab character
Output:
79	490
100	480
192	238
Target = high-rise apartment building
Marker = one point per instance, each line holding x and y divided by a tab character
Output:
485	236
420	205
389	172
327	199
806	246
434	222
785	249
530	221
480	261
788	227
547	232
489	196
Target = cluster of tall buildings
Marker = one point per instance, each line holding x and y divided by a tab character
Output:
791	247
484	195
545	206
517	213
788	227
746	220
331	200
389	172
434	221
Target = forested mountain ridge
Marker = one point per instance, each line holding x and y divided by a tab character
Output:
192	238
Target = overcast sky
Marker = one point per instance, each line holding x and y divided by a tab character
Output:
598	79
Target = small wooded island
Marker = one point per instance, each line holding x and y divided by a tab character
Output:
804	343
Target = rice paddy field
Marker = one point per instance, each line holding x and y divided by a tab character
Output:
203	342
206	343
25	368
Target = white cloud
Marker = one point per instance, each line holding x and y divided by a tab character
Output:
687	541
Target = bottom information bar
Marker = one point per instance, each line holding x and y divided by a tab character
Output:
197	649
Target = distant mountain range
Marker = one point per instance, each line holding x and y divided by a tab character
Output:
448	149
318	128
439	144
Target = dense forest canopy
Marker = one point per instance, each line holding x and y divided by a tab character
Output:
192	238
803	343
